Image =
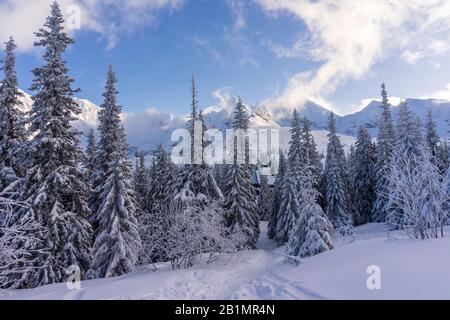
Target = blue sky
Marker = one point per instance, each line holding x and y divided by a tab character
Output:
272	53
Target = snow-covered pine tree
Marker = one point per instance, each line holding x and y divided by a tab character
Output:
384	157
141	183
109	134
154	224
408	137
296	155
363	178
351	170
337	181
276	197
432	139
12	124
117	242
289	208
89	159
312	233
240	200
55	187
310	151
264	199
408	147
197	222
437	148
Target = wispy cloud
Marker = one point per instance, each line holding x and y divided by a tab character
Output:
443	94
21	18
348	37
235	36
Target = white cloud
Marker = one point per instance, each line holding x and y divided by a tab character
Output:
21	18
235	37
348	37
412	56
443	94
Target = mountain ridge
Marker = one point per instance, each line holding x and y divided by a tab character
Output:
152	127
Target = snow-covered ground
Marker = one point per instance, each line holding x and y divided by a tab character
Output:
410	269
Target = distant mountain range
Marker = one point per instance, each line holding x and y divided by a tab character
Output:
146	130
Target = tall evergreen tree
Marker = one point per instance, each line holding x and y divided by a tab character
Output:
438	149
384	157
431	137
296	153
312	233
240	200
89	160
408	138
153	225
363	179
264	199
55	187
12	124
310	151
337	181
276	197
197	202
289	208
408	147
117	242
141	183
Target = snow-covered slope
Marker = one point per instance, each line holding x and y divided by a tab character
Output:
410	269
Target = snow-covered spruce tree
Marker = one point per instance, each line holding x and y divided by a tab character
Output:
196	216
89	159
153	224
419	190
310	151
438	149
408	145
408	137
337	181
351	171
117	242
312	233
276	197
384	158
289	208
296	155
55	187
12	124
240	202
141	183
432	139
264	199
363	178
